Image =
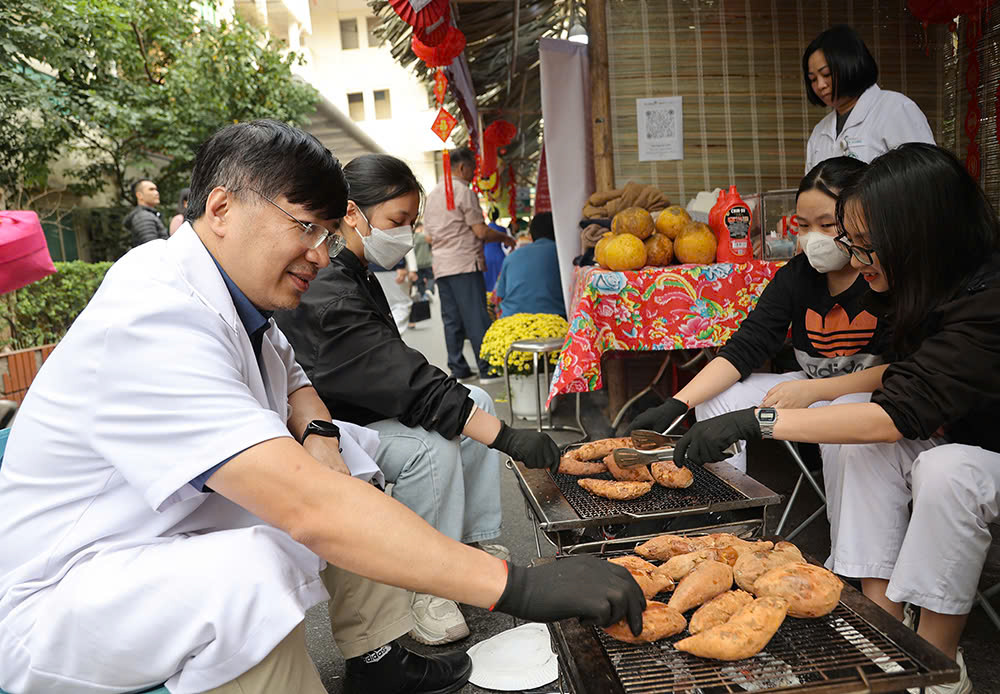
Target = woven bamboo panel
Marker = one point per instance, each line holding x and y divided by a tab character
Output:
737	64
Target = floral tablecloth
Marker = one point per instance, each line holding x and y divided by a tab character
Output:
656	308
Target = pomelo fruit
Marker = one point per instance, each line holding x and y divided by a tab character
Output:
672	220
633	220
625	252
659	250
696	244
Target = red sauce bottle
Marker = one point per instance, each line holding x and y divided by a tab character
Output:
734	230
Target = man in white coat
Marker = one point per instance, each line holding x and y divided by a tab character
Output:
173	490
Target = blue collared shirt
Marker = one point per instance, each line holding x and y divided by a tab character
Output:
256	323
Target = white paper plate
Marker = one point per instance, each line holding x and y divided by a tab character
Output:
514	660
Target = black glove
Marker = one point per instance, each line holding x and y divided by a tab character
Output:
534	449
659	418
706	441
596	591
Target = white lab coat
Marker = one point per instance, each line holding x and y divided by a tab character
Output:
116	574
880	121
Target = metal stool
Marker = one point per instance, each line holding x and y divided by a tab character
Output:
536	346
806	475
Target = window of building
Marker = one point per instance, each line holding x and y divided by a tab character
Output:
356	106
383	109
349	34
373	24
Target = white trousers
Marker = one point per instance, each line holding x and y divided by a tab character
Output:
932	557
398	296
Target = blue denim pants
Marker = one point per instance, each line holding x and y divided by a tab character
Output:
463	310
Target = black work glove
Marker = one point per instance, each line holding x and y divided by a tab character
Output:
659	418
706	441
534	449
596	591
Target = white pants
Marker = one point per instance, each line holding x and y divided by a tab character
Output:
746	393
452	484
398	296
932	557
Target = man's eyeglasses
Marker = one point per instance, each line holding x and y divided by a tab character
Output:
860	253
312	234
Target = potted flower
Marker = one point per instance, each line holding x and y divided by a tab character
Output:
498	339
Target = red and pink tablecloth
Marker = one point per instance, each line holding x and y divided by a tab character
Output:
656	308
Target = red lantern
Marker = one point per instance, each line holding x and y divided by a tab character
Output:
498	134
443	53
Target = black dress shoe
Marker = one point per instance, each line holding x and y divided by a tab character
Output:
392	669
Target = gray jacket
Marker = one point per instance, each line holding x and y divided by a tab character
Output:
144	224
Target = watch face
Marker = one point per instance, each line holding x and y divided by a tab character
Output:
767	415
318	426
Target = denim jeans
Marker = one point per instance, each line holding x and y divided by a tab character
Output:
425	280
463	310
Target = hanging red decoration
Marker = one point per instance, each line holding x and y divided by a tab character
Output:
512	194
421	14
435	33
973	115
443	125
933	11
440	86
443	53
499	133
449	187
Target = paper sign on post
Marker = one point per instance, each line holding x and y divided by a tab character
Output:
660	124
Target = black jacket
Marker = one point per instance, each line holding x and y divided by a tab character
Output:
952	380
144	224
347	343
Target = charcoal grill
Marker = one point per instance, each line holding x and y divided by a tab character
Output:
856	648
563	511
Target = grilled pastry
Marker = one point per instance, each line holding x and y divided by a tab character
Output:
613	489
708	579
572	466
718	610
811	591
658	622
596	450
745	634
638	473
669	475
752	565
679	566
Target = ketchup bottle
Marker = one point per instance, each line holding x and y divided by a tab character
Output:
734	230
715	213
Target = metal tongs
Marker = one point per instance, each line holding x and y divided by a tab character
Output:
649	446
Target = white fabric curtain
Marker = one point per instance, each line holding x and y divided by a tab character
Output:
566	115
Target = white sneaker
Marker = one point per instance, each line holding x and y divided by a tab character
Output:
437	621
498	551
963	686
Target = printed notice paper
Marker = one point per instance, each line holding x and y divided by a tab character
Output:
660	124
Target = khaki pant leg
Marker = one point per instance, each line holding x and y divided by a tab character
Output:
288	668
365	615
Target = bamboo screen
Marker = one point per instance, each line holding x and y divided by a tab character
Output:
737	65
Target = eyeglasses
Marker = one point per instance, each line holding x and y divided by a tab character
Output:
860	253
313	235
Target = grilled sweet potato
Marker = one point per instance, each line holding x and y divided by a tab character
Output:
752	565
745	634
669	475
612	489
658	622
810	590
706	580
637	473
718	610
572	466
650	579
596	450
679	566
666	546
739	544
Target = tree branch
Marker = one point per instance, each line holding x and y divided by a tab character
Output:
142	48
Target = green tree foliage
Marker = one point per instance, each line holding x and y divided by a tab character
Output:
117	82
42	312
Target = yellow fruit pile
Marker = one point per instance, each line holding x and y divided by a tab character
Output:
521	326
636	240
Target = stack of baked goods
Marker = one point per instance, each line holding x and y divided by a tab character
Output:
597	457
738	592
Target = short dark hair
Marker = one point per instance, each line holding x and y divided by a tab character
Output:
541	227
931	225
377	178
851	64
462	155
184	196
274	159
135	187
830	176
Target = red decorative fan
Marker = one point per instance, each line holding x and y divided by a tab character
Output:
443	53
944	11
420	14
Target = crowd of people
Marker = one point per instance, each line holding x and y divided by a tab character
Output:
234	430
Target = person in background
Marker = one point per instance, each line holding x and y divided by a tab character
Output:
457	236
927	241
493	252
865	120
530	281
395	283
182	205
144	223
438	439
821	297
424	280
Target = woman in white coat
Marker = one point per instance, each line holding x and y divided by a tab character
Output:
865	120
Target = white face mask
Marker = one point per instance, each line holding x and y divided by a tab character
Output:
822	252
386	246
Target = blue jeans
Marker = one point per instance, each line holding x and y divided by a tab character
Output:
463	310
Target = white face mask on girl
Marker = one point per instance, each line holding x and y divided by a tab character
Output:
822	252
386	246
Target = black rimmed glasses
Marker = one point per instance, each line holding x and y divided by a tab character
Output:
860	253
313	235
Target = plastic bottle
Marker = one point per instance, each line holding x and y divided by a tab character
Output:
734	230
715	213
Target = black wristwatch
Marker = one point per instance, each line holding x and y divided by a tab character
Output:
321	427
